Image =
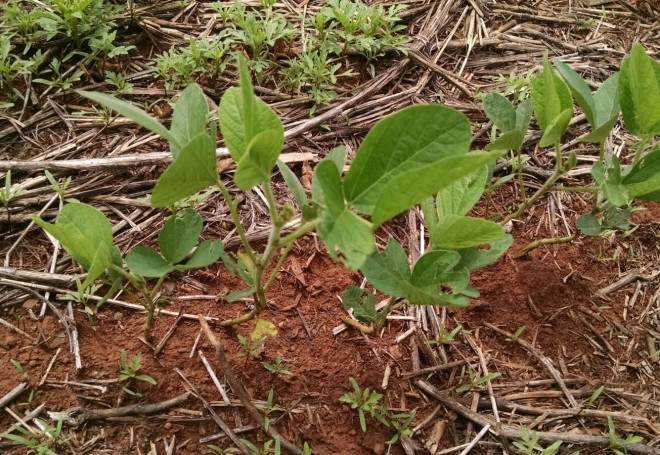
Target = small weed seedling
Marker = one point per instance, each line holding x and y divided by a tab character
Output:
19	367
83	296
45	442
475	381
129	372
400	423
528	444
252	344
366	402
7	193
519	331
618	445
594	396
276	367
445	336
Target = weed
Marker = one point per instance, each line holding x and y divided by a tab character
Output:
519	331
129	372
45	442
276	367
251	347
445	336
528	444
117	80
9	192
83	295
58	186
366	402
58	77
475	381
16	364
594	396
618	445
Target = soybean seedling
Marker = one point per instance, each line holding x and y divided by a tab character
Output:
254	136
129	372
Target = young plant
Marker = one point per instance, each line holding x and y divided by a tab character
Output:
117	80
528	444
9	192
129	372
618	445
83	296
425	144
45	442
445	336
366	402
594	396
276	367
86	234
475	381
401	425
252	345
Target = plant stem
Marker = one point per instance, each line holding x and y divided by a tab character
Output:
356	325
549	241
547	186
237	221
241	319
519	173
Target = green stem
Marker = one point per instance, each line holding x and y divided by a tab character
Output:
547	186
295	235
235	218
576	189
519	172
549	241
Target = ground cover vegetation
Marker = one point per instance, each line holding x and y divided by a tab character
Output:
420	157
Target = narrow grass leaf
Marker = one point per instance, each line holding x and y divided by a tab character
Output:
132	112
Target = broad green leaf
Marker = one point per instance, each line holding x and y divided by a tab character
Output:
459	197
606	100
192	171
431	296
430	269
462	232
616	194
599	134
293	183
255	166
639	92
553	131
361	302
132	112
189	118
643	179
500	111
429	211
552	103
242	115
146	262
511	140
413	138
413	186
580	90
206	253
179	235
338	156
386	270
338	227
86	234
523	115
598	172
588	225
474	258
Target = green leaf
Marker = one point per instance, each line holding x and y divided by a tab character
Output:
293	183
500	111
552	103
474	258
338	227
338	156
432	267
643	179
580	90
192	171
459	197
639	91
146	262
189	118
413	138
556	128
255	166
464	231
588	225
386	270
86	234
511	140
606	100
413	186
523	115
242	115
429	296
179	235
361	302
132	112
206	253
